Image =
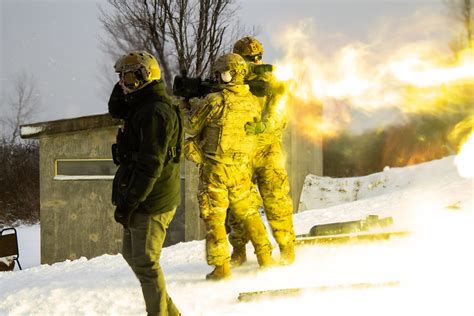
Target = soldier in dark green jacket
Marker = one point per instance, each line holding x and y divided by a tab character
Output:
146	188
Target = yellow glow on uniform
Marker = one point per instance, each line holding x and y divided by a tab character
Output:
464	160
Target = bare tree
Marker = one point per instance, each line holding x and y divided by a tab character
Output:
463	12
23	104
183	34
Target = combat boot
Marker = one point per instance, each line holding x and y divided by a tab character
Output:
220	272
287	254
265	260
238	257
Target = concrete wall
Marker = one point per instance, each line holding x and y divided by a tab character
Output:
76	215
195	228
176	230
303	157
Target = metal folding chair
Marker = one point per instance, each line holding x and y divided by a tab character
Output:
9	244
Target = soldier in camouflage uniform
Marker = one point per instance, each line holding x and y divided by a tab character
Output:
268	164
218	122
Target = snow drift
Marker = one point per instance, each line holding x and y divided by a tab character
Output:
433	266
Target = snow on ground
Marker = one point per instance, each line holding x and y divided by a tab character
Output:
433	265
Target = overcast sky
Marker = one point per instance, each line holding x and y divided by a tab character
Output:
57	41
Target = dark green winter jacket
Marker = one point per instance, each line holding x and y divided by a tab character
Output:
148	178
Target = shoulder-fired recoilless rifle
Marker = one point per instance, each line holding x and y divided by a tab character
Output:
195	87
188	87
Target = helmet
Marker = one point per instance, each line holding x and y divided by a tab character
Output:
137	69
231	67
118	64
249	48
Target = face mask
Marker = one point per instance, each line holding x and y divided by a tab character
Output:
226	77
129	82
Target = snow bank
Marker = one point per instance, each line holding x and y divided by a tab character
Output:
322	192
30	130
433	266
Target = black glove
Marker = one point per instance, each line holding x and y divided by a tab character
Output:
123	213
118	108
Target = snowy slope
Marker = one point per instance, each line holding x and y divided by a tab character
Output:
322	192
433	265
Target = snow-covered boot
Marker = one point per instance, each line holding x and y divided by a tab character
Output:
220	272
238	257
265	260
287	254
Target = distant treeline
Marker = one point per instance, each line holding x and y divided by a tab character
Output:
419	139
19	182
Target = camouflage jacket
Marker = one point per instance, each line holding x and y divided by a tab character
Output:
219	121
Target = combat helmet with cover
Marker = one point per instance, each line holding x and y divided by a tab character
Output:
231	67
137	69
250	48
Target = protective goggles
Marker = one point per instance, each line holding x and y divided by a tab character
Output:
254	58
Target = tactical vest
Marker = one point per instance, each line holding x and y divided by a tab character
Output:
225	135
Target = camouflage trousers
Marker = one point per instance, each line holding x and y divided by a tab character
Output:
222	186
142	243
273	186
